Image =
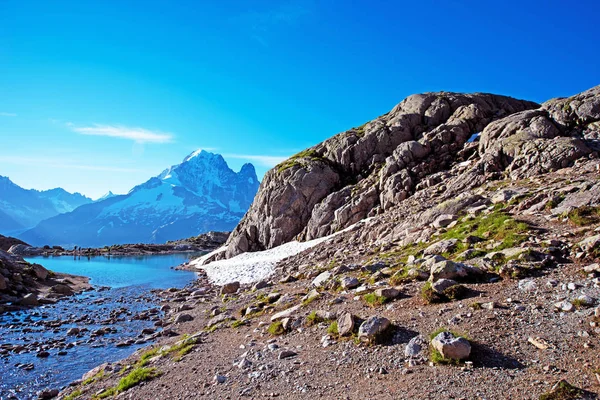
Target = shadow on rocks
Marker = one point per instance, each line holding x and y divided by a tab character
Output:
484	356
395	335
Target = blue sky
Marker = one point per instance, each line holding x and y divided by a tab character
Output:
101	95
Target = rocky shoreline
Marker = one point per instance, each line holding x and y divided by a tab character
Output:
24	285
202	243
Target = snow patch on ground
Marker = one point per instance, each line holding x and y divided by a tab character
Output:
254	266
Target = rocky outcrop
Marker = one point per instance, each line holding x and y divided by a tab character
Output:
456	141
6	242
23	284
537	141
358	172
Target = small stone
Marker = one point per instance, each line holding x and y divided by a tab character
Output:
451	347
285	313
444	220
415	346
29	300
73	331
527	285
288	279
181	318
244	364
388	293
538	342
592	268
286	354
230	288
321	279
441	247
349	282
565	305
442	284
260	285
218	319
219	379
47	394
345	323
273	297
370	330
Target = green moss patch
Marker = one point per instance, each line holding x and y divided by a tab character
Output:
584	216
276	328
497	225
373	300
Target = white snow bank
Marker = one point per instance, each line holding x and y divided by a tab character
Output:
251	267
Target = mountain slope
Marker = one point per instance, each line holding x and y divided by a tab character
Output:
21	208
199	195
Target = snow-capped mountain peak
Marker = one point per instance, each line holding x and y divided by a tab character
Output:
24	208
107	195
198	195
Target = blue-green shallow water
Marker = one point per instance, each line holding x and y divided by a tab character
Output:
131	280
151	271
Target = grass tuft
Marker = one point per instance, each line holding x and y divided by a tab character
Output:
333	329
138	375
373	300
313	319
276	328
563	391
498	226
430	296
72	396
456	292
584	216
238	323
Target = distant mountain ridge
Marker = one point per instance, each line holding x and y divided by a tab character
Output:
199	195
21	209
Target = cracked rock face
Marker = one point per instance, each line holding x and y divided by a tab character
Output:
420	143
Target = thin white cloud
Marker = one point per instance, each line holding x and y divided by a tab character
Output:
265	160
62	163
138	135
7	114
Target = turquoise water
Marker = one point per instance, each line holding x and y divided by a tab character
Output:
131	280
152	271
